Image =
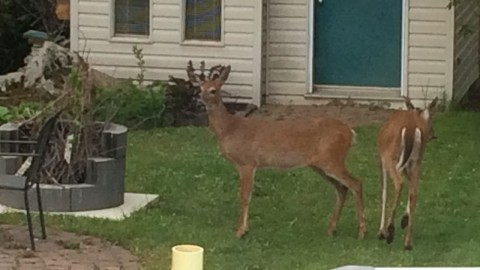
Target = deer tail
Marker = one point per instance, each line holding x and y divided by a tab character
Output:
354	137
417	144
410	144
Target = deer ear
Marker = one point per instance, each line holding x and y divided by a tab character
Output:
224	74
408	102
433	104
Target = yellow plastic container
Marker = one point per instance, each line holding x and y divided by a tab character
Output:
187	257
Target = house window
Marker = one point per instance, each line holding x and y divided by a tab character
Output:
203	20
132	17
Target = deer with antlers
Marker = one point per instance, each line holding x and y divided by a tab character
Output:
321	143
401	145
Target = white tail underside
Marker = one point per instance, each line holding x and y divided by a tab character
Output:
414	155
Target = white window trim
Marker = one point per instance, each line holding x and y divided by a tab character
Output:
194	42
125	38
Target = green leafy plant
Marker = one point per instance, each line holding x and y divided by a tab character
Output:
5	114
132	105
23	111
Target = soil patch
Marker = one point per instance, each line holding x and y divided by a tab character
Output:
354	114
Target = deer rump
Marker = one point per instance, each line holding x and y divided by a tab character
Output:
287	143
406	140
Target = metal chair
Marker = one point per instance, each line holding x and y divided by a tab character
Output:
24	183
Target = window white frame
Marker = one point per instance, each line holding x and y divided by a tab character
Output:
196	42
129	38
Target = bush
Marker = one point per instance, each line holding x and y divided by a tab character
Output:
19	16
13	22
133	106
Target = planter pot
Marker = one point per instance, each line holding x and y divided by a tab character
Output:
104	185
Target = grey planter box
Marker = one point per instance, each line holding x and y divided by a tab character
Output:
104	185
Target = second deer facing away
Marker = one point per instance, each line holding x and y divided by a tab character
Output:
401	145
321	143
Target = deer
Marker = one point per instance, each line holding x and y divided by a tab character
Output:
253	143
401	145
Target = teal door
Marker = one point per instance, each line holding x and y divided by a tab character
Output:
358	42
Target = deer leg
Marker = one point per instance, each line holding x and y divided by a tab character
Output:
341	195
346	179
398	183
383	185
406	216
412	202
404	221
246	182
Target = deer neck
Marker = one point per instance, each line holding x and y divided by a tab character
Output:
220	120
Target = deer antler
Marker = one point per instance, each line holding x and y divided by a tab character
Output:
191	72
202	70
215	72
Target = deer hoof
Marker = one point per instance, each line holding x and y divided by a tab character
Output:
404	221
332	232
408	247
390	233
241	232
381	236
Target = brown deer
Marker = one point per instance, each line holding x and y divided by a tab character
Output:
401	145
250	143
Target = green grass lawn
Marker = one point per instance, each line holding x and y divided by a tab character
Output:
290	209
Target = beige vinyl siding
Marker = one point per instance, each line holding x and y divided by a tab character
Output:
164	54
466	68
287	47
429	45
265	24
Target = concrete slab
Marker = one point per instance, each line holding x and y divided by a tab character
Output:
427	268
132	202
362	267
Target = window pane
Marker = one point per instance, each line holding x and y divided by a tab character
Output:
132	17
203	19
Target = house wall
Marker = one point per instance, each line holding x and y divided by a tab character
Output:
430	49
287	48
164	53
466	69
428	54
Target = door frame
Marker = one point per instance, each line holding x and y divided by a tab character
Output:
404	47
